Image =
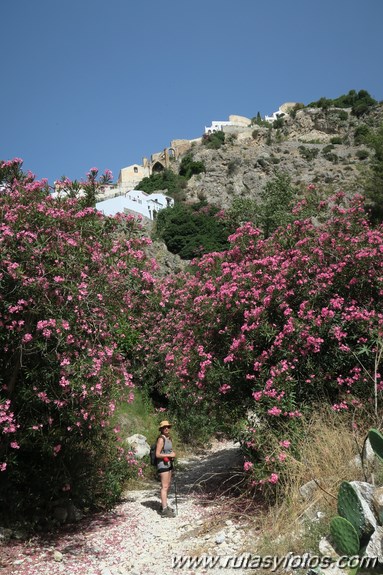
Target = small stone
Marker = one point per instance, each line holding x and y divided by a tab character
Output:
58	556
18	561
220	538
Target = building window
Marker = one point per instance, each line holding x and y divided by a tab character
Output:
135	170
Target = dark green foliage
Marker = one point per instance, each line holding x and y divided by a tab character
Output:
331	157
189	167
343	115
361	134
213	141
336	140
327	149
278	123
276	202
257	121
166	180
308	153
242	210
359	102
323	103
34	491
191	231
374	183
362	154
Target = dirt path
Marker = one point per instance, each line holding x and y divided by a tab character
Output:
134	539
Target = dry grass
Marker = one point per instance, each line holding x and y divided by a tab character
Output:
327	451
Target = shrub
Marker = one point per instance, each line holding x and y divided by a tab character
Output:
167	180
69	277
343	115
278	123
336	140
191	231
274	326
214	141
331	157
308	154
362	154
361	135
189	167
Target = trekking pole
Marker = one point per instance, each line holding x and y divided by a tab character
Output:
175	488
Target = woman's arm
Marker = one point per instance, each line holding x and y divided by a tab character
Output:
159	448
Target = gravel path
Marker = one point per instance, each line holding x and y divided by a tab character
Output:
134	539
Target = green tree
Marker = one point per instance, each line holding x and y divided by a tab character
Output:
189	167
191	231
214	141
374	183
175	184
276	203
242	210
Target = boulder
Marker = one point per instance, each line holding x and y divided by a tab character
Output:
139	445
377	503
375	545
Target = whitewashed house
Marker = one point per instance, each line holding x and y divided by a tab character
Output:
136	202
234	121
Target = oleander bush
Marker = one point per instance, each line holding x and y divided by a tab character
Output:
73	286
257	336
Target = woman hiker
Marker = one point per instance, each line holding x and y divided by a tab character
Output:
165	456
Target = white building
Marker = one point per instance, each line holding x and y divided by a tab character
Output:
137	202
275	115
281	113
219	126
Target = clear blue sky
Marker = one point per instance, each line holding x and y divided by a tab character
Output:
105	83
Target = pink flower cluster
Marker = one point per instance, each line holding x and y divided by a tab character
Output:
280	321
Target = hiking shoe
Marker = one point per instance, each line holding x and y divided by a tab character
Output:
167	512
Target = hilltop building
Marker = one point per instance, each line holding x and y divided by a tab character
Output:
136	202
281	113
222	126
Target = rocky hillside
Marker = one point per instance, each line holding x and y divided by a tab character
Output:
314	145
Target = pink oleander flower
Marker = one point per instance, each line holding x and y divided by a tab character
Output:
3	466
285	443
274	411
224	388
274	478
248	465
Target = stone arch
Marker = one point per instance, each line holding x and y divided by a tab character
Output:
157	167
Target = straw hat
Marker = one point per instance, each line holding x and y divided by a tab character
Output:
164	424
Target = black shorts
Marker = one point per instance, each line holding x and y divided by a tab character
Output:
167	469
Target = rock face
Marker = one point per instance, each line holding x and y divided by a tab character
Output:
316	146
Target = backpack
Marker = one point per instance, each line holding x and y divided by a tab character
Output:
152	453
